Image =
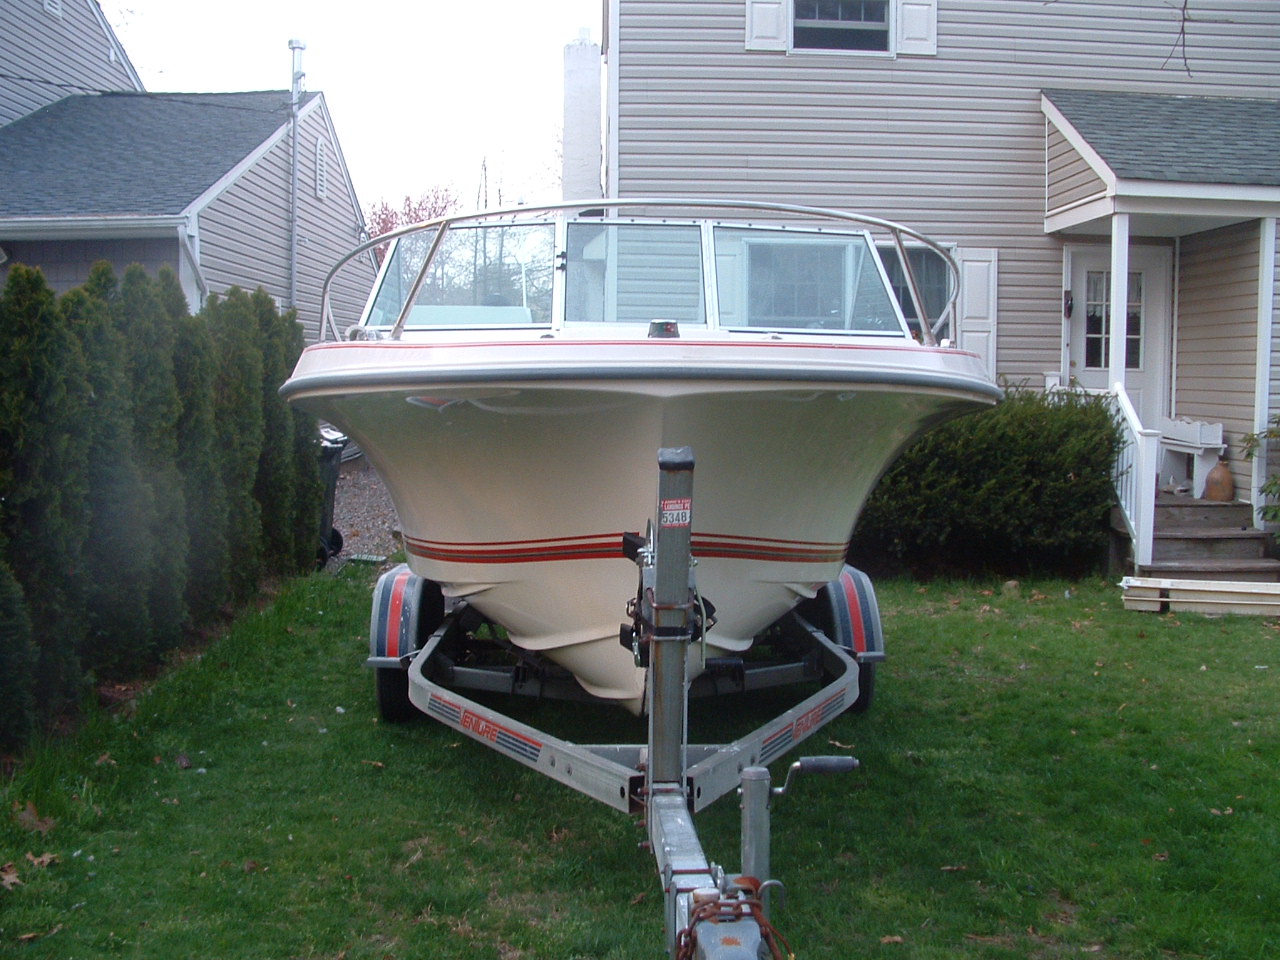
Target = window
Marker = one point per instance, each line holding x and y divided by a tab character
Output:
493	275
894	27
796	281
841	25
933	280
634	273
1097	322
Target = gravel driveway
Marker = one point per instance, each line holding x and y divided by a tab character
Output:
363	512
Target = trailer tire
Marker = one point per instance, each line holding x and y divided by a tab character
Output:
391	689
846	611
407	609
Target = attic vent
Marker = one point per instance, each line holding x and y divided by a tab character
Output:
322	168
54	7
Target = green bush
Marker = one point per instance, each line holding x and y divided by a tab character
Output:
44	516
149	338
237	395
1024	487
17	663
120	550
195	370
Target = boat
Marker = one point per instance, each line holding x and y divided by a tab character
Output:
515	371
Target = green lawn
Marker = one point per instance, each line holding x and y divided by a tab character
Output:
1043	775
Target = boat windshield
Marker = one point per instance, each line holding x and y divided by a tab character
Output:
634	273
490	275
793	280
507	273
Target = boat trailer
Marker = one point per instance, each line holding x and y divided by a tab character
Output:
710	914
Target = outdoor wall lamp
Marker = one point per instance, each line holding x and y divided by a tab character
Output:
1068	304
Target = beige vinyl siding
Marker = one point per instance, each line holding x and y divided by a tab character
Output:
951	144
66	263
1069	178
244	232
1217	335
44	58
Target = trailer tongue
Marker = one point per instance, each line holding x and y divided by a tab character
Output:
709	912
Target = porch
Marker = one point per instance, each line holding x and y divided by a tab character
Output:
1167	210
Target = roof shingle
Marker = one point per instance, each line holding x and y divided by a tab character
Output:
130	154
1178	139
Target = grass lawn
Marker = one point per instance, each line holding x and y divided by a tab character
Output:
1043	775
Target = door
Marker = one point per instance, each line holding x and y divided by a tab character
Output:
1146	328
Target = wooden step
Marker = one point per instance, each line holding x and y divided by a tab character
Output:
1261	570
1184	511
1221	543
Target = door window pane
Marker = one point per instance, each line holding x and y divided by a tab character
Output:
1097	321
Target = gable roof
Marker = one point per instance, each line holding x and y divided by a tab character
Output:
1178	139
131	154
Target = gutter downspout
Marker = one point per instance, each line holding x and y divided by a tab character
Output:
296	47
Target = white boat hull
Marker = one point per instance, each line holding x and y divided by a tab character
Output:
516	469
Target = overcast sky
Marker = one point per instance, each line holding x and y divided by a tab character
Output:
421	93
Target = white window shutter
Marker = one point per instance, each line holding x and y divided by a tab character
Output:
767	27
976	323
917	28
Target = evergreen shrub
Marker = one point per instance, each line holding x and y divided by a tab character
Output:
44	514
1022	488
120	549
17	663
149	348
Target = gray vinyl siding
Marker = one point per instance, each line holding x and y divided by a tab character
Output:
44	58
1217	334
952	144
244	232
1069	178
66	263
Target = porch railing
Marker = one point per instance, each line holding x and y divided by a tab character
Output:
1136	473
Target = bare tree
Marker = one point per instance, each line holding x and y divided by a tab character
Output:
1179	50
383	218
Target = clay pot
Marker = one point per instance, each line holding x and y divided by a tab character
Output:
1219	484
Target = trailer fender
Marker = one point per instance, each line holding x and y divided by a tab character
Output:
847	612
406	611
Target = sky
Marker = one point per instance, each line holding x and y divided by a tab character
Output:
421	92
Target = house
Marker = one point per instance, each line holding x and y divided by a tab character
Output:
218	186
1082	159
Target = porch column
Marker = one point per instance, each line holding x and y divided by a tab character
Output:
1119	297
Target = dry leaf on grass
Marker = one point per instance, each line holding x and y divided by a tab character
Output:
892	939
43	860
28	937
9	876
29	819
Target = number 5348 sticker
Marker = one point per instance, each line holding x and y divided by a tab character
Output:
675	513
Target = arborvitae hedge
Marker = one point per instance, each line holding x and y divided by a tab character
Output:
44	515
238	398
195	369
17	663
120	548
1024	487
149	339
131	439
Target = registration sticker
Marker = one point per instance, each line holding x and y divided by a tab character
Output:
675	513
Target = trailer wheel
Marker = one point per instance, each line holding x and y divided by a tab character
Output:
846	611
391	688
406	610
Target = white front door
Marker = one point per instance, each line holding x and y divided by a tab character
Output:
1146	328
